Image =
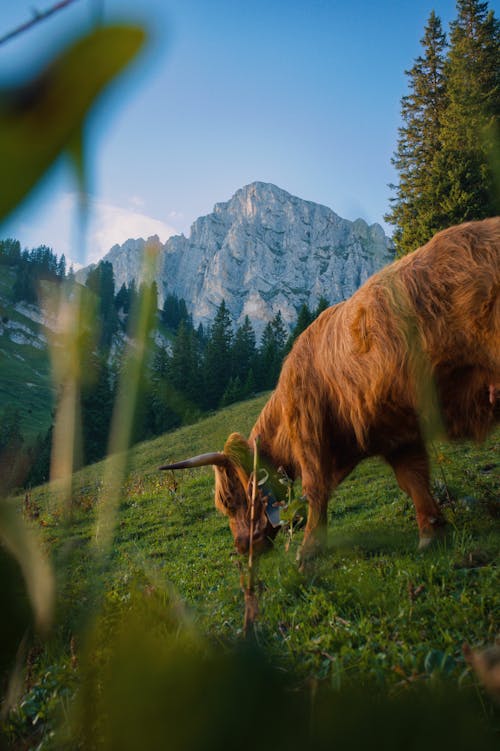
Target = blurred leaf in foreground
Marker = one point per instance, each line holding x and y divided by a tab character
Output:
21	543
39	119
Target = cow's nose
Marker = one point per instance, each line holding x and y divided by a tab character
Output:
241	542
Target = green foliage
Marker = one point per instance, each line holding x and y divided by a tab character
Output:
10	252
243	351
41	118
40	453
373	625
31	268
183	369
304	319
38	120
449	142
195	373
101	282
322	305
14	459
97	399
153	682
217	361
174	312
414	207
469	129
234	392
271	352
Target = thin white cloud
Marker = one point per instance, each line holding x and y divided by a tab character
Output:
137	201
55	224
110	225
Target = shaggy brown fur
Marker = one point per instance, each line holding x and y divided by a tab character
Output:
414	353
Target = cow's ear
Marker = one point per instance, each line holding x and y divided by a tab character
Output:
238	450
230	484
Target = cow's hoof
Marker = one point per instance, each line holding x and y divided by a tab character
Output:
426	541
310	550
433	533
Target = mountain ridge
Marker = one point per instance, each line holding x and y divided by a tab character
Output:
261	251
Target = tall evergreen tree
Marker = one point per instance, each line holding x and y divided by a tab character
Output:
243	352
40	456
101	282
174	311
271	352
10	251
217	360
162	402
470	122
122	301
304	318
96	408
183	369
322	305
413	210
13	460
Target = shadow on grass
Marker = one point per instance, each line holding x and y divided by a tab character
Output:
372	542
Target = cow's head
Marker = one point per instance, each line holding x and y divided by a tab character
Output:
233	492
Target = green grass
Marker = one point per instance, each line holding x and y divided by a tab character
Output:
371	610
25	380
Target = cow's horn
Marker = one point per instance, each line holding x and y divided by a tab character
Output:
203	460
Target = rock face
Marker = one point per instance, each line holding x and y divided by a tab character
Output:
126	260
262	251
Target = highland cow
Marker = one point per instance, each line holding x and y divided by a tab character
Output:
413	354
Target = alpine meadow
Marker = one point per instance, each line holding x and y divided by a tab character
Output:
341	383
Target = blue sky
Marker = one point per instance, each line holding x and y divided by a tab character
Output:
302	93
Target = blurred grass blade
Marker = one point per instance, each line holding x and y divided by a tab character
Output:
124	410
74	314
21	543
39	119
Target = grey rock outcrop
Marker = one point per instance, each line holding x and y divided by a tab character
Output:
262	251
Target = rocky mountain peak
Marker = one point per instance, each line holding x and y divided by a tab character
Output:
262	251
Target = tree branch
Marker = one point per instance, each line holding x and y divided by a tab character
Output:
37	16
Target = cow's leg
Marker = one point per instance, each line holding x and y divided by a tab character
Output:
315	533
318	493
411	467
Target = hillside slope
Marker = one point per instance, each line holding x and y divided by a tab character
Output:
25	379
371	609
170	519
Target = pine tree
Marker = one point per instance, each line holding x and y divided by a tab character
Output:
162	404
413	210
217	360
174	311
243	351
470	122
40	456
132	300
101	282
122	299
322	305
271	352
10	252
61	267
183	367
96	408
13	459
304	319
233	393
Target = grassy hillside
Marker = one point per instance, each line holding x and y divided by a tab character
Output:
371	611
25	381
